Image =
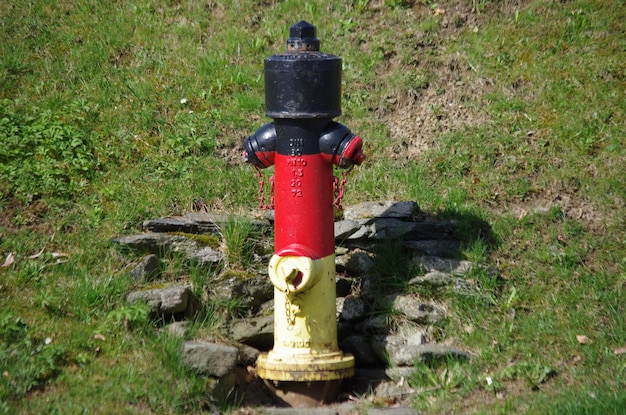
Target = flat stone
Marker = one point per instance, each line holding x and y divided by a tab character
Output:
392	391
447	265
257	332
414	309
433	279
345	228
376	324
344	408
432	230
156	243
213	359
147	268
177	329
363	231
205	255
247	354
362	351
351	308
177	224
343	286
410	354
435	247
387	209
356	263
395	410
386	346
390	228
398	373
413	334
168	300
214	222
250	290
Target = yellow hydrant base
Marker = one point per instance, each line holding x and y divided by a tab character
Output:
307	368
305	323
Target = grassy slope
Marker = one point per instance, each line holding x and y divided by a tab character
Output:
115	76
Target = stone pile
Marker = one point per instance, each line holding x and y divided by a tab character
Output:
386	325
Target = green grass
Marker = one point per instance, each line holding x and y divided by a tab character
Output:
112	113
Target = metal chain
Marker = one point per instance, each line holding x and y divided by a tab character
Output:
339	188
271	193
262	204
290	312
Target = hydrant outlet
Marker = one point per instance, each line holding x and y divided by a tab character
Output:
260	147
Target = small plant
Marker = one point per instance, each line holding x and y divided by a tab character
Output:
27	362
132	316
534	373
238	243
43	152
439	378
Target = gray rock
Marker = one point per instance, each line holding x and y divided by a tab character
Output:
408	355
369	288
395	348
413	334
147	268
176	224
362	351
393	391
394	410
205	255
197	223
167	300
345	228
389	228
177	329
381	228
251	291
156	243
386	346
378	323
247	354
159	243
447	265
399	373
411	307
387	209
356	263
343	286
213	359
432	230
344	408
257	332
433	279
436	247
437	280
215	222
351	308
363	231
221	390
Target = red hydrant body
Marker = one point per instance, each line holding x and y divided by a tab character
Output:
303	95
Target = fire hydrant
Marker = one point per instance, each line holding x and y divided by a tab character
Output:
302	96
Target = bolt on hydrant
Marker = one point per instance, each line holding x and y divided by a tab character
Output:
302	96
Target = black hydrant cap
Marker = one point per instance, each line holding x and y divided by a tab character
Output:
302	37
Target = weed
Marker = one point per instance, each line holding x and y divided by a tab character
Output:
28	362
44	154
131	316
534	373
239	243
